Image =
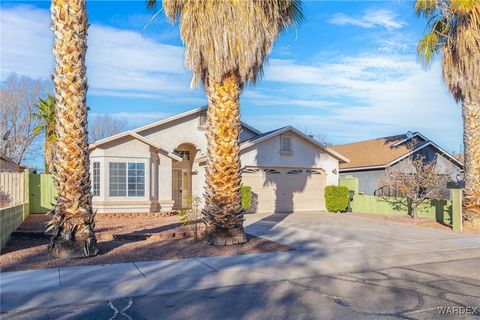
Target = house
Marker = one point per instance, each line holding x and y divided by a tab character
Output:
370	158
153	167
8	165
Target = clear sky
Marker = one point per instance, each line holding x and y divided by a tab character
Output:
348	73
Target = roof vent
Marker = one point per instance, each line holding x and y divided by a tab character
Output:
409	134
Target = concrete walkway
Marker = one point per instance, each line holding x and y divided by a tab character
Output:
326	245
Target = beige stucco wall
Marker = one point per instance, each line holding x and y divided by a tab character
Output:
304	154
157	176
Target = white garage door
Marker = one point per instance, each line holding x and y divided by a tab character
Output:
285	190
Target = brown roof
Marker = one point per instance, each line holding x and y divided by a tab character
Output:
376	152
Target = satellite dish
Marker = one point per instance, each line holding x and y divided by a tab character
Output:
409	134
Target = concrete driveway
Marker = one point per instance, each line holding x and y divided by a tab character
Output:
343	267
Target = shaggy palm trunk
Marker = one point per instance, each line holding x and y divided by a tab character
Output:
48	153
471	141
223	208
72	217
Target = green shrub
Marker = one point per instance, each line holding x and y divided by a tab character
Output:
246	197
336	198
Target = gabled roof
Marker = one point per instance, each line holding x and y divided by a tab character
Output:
182	115
138	137
383	152
267	135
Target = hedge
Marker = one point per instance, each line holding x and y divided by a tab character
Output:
246	197
336	198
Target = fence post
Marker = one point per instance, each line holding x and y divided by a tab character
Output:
456	195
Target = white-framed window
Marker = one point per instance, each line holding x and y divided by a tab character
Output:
250	170
294	171
271	171
285	143
184	154
126	179
136	179
202	120
96	179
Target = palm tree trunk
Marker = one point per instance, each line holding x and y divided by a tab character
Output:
48	153
223	208
72	217
471	141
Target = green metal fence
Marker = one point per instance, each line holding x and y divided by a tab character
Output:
42	193
438	210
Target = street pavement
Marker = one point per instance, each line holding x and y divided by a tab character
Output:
344	267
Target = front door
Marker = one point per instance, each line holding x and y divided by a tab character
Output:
179	187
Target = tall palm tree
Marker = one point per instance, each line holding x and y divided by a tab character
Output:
226	44
46	117
455	33
72	218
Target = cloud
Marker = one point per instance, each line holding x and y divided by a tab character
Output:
370	96
370	19
135	119
119	62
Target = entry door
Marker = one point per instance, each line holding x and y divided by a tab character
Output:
179	187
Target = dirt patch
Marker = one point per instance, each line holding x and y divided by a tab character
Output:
32	253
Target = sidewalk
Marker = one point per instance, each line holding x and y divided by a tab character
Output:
52	287
326	245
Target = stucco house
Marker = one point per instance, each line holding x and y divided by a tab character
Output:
151	168
370	158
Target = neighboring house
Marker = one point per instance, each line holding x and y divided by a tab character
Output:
153	167
8	165
370	158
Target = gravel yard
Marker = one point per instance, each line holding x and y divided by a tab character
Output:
122	239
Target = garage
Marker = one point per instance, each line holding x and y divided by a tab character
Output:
285	189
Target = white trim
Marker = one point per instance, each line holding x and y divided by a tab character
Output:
413	136
249	127
254	141
169	119
138	137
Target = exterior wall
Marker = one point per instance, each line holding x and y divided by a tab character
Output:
368	180
126	149
304	155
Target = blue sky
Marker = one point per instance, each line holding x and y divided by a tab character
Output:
348	73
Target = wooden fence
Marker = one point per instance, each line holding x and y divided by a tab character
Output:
12	188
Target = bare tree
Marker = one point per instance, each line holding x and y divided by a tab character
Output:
104	126
415	179
18	96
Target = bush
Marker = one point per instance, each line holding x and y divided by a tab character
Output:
336	198
246	197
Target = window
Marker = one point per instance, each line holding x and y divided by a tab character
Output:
126	177
118	179
285	144
184	154
96	179
136	179
202	120
271	171
294	171
309	171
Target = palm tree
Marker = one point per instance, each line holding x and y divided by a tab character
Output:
72	217
46	117
226	44
455	33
